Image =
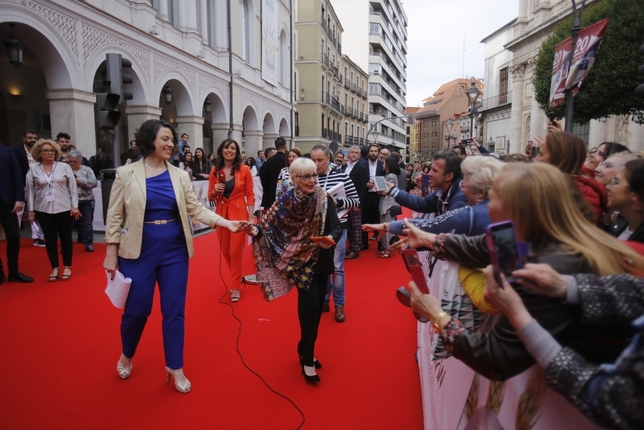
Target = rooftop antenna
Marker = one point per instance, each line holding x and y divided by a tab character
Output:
463	72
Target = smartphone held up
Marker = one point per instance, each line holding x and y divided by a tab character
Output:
504	250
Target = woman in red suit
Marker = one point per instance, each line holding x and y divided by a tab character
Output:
231	188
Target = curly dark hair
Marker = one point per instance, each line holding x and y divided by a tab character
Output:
219	158
147	134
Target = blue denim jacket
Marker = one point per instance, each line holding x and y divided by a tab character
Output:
467	220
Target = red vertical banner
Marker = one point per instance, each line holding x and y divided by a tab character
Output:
567	76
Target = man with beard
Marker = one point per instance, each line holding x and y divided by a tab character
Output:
63	140
25	160
370	208
358	171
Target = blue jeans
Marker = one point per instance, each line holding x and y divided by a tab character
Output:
85	224
336	281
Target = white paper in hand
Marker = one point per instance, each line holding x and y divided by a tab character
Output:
118	289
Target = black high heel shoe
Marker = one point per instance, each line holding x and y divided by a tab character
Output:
316	363
310	378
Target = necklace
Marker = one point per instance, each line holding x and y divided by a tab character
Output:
154	168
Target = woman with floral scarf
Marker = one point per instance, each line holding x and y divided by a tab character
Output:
286	255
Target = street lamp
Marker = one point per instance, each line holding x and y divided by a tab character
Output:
15	49
167	94
576	28
472	95
450	124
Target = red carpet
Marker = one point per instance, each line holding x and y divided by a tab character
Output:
60	344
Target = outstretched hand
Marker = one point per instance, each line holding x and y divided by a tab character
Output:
542	279
505	300
373	227
416	238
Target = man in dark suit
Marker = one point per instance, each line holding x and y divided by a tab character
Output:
270	171
358	170
25	160
370	209
12	200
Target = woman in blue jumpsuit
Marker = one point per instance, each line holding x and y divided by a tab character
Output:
148	238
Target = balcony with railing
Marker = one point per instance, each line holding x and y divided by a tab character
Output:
324	26
354	87
500	100
325	132
325	60
297	130
333	102
347	83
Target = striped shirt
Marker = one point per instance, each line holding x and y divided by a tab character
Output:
333	178
326	182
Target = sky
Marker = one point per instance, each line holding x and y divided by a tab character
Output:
436	31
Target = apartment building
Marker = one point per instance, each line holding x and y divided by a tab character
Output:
497	103
444	121
318	78
353	103
378	35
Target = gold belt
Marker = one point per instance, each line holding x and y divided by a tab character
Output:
159	221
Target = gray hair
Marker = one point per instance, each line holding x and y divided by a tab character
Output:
75	153
302	166
354	148
481	172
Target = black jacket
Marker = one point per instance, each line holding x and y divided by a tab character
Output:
268	174
11	177
23	161
621	224
324	264
360	176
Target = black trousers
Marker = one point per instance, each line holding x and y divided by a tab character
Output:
309	312
370	214
55	226
9	222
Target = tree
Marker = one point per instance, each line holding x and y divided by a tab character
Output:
609	87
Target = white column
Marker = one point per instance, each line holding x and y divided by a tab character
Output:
188	16
635	136
516	115
137	115
269	140
72	111
237	134
219	134
193	125
203	12
597	133
163	10
253	141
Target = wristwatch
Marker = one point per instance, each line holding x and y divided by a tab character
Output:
437	321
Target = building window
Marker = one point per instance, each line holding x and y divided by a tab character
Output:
245	31
173	12
503	86
582	130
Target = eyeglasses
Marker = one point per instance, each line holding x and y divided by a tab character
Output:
614	182
307	178
48	151
462	185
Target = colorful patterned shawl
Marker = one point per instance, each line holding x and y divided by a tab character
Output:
284	253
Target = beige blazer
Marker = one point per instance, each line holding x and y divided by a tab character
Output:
126	211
